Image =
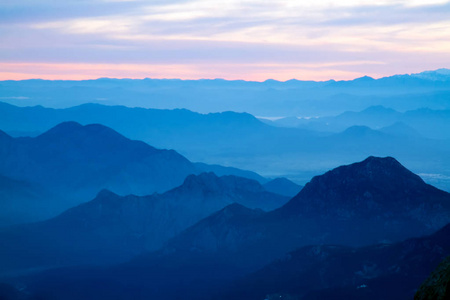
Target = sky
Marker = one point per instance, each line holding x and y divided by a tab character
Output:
233	39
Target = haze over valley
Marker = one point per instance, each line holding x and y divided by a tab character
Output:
414	129
241	149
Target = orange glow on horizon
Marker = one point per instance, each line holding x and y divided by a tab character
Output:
248	72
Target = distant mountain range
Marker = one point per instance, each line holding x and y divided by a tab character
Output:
414	123
89	210
243	141
71	163
376	200
270	98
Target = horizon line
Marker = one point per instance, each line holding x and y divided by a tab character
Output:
230	80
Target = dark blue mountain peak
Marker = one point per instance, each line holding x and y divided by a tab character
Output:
105	194
69	127
280	180
370	185
386	161
66	126
66	130
381	171
200	178
93	138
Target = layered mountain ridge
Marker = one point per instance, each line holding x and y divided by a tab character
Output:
72	163
376	200
113	228
243	141
209	259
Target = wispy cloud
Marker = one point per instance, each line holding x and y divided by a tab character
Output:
345	34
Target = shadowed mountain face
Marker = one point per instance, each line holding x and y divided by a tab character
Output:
74	162
376	200
378	272
111	228
356	205
374	187
437	285
336	272
160	275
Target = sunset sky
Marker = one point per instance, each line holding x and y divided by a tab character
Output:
246	39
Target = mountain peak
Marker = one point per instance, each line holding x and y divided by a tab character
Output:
203	179
282	186
71	127
359	131
63	129
364	79
381	171
436	75
65	126
388	160
105	193
104	197
371	184
93	138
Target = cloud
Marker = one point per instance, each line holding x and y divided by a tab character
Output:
347	33
392	14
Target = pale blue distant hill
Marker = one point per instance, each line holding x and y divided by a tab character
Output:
431	123
242	141
269	98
